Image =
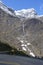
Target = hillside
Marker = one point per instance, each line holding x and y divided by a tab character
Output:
22	32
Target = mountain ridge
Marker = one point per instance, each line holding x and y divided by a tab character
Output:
27	13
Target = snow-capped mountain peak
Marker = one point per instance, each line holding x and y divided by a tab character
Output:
26	12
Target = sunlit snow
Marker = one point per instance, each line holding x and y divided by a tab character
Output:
32	54
24	48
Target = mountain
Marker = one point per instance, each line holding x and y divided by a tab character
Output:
22	29
26	13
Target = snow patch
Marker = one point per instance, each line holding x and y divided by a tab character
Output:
21	41
28	43
24	45
24	48
32	54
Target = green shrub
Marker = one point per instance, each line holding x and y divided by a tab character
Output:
4	47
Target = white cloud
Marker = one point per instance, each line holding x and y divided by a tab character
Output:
41	9
1	1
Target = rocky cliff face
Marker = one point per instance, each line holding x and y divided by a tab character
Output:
23	32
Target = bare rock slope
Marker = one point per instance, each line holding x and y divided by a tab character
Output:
19	31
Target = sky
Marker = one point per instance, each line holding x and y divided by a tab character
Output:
25	4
